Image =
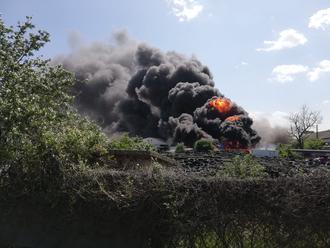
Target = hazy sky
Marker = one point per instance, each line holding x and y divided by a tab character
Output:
270	57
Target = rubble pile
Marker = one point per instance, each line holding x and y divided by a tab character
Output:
209	164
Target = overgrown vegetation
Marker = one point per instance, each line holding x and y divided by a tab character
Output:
285	151
243	168
125	142
163	209
37	122
203	145
314	144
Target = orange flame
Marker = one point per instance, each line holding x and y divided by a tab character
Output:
223	105
233	118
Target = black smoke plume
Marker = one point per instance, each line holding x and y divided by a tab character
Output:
131	87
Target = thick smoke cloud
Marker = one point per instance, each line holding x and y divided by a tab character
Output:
184	129
102	73
219	127
131	87
271	135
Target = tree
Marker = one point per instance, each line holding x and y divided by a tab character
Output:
37	121
301	124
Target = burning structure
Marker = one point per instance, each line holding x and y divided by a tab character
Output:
132	87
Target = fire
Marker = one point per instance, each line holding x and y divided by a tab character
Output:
235	146
233	118
223	105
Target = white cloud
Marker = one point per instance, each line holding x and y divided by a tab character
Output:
288	38
185	10
325	102
287	73
320	20
315	73
243	63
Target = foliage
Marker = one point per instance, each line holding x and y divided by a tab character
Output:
285	151
125	142
314	144
37	121
243	168
80	141
302	123
203	145
179	148
179	210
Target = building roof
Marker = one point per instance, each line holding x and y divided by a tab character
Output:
322	134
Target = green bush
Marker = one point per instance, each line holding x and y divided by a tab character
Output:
314	144
285	151
203	145
125	142
80	142
179	148
243	168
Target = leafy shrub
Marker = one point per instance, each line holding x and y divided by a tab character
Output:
243	167
285	151
203	145
314	144
179	148
80	141
125	142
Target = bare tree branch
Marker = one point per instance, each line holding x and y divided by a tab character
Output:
302	123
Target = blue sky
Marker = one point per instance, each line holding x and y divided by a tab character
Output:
271	57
